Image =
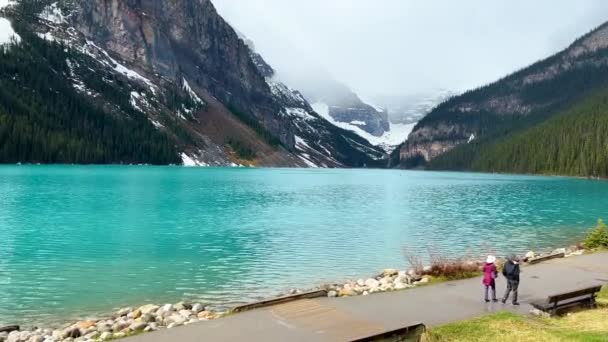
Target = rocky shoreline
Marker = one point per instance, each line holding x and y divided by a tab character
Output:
150	317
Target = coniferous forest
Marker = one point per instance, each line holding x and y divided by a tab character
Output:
573	142
43	119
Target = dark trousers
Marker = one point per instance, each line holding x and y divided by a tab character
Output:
493	288
512	285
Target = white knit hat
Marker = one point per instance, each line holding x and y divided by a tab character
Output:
491	259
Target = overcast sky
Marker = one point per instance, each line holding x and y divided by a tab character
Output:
411	46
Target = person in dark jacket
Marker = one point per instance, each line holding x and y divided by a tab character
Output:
511	272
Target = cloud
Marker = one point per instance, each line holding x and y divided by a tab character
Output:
409	46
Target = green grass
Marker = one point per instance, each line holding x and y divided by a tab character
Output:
590	325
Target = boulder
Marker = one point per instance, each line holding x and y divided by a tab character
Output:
332	294
9	328
182	306
361	282
138	326
427	269
84	325
198	307
123	312
185	313
347	292
72	332
36	338
167	308
134	314
106	335
176	319
148	309
204	315
148	318
92	335
530	255
389	272
372	283
119	335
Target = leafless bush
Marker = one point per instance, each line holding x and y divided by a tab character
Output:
443	266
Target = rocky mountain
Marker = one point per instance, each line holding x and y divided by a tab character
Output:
343	105
457	129
411	108
166	76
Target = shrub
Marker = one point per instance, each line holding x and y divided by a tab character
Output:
441	266
597	237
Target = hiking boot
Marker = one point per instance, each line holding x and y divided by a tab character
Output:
487	300
515	303
495	300
504	301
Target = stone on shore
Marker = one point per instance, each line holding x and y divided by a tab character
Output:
105	336
332	294
138	326
198	307
530	255
123	312
148	309
389	272
372	283
204	315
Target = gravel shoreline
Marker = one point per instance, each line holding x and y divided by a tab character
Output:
150	317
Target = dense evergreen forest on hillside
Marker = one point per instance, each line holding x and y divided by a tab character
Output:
573	142
43	119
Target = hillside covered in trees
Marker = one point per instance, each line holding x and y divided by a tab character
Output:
487	129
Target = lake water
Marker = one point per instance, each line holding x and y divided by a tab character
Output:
81	240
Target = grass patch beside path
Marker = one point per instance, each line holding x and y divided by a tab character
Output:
590	325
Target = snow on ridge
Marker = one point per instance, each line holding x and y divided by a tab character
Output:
6	3
120	68
298	112
397	134
190	161
7	33
52	13
191	92
358	123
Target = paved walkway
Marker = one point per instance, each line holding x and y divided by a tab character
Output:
339	319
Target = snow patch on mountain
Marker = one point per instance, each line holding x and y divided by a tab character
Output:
6	3
397	134
191	92
7	33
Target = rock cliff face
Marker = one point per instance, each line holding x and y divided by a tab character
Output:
178	64
519	100
184	38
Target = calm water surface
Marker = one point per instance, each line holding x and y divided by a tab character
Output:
81	240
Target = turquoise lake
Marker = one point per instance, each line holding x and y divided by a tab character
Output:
76	241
